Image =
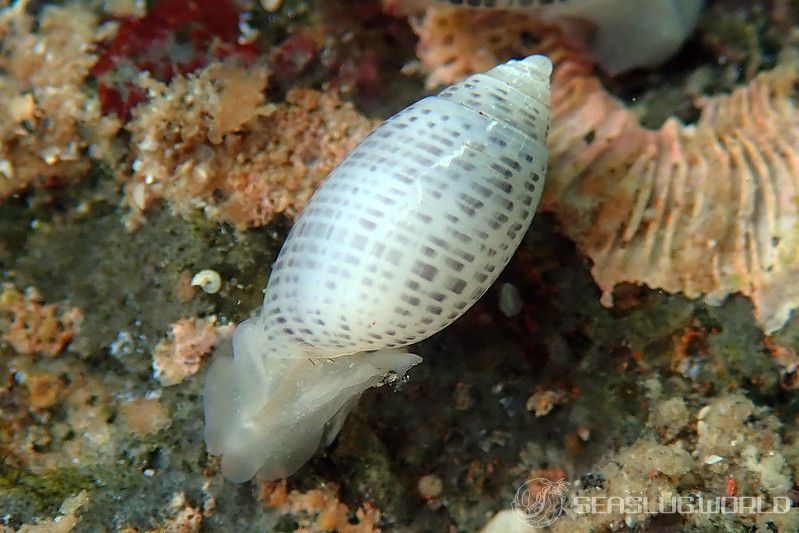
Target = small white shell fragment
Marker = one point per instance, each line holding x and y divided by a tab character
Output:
405	235
510	300
208	280
6	169
430	486
508	521
713	459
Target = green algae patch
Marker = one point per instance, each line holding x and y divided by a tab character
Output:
128	285
736	344
27	495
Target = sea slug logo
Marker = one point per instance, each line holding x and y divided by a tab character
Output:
540	502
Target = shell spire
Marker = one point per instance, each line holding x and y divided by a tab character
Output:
399	241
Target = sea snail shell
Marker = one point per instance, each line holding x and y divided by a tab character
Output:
402	237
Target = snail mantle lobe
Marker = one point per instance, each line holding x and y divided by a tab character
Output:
400	240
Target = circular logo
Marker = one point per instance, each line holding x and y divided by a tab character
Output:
540	502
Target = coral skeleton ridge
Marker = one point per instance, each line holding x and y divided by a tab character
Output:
624	34
707	209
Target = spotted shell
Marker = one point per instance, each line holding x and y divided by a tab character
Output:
402	237
417	222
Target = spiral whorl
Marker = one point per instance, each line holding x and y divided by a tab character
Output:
515	94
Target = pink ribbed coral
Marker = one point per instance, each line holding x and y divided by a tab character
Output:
708	209
456	43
